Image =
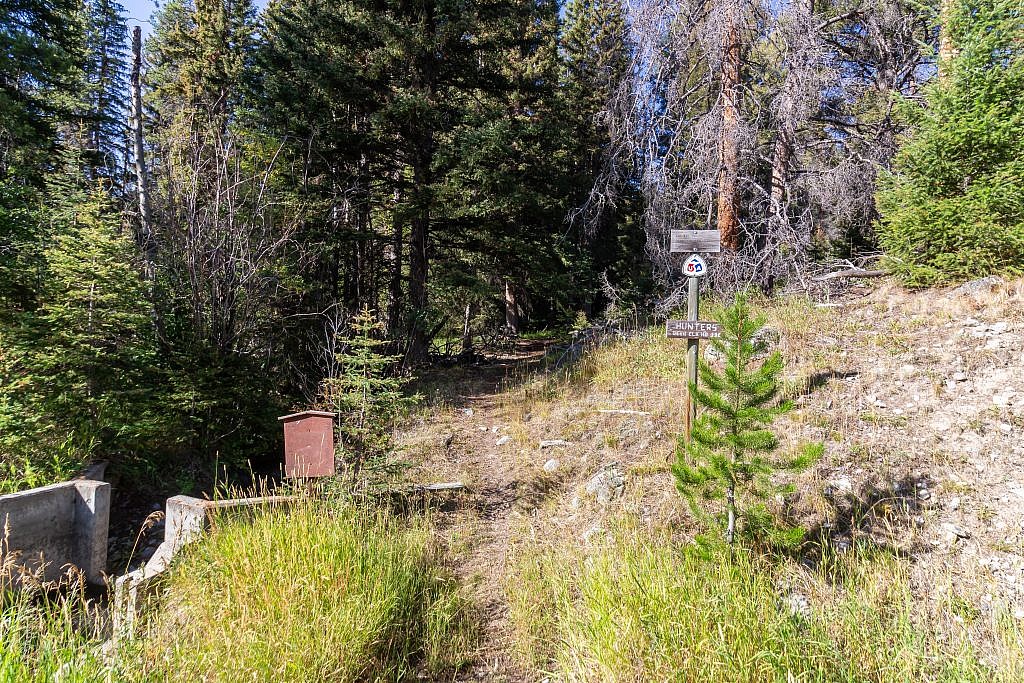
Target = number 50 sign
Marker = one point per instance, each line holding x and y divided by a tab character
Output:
694	266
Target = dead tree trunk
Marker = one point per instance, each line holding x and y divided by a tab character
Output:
947	51
729	142
511	308
145	236
395	284
467	335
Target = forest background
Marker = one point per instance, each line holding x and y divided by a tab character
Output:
189	225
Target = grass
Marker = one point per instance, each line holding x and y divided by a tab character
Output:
643	608
311	593
48	635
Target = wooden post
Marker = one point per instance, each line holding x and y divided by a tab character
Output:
692	310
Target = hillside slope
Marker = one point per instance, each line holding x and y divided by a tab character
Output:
918	397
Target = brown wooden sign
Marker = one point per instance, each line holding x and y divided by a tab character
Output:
694	241
692	329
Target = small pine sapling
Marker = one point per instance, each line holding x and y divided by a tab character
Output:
368	398
731	453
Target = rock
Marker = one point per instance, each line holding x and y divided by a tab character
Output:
482	428
959	376
503	440
495	429
468	412
1003	399
551	443
955	530
551	465
841	485
906	371
797	605
979	286
953	504
591	532
765	340
605	485
999	327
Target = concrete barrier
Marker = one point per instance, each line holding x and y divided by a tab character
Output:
49	529
186	519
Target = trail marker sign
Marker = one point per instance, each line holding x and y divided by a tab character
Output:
694	266
692	329
704	241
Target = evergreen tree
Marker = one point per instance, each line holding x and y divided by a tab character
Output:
41	47
954	206
608	240
731	453
106	82
368	398
77	374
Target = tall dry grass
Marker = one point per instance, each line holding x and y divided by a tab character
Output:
312	593
642	608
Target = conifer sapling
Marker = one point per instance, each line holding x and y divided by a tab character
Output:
368	398
731	453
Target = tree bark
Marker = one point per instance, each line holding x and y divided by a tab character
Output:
467	336
729	143
511	308
423	155
947	51
145	236
395	283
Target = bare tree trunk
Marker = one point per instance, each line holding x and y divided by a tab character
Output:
730	529
947	51
729	142
467	337
418	262
145	236
423	141
511	308
395	283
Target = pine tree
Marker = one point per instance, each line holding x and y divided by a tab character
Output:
41	48
368	398
77	375
731	453
106	77
954	207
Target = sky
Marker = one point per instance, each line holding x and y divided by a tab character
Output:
138	13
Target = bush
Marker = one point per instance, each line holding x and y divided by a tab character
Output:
954	206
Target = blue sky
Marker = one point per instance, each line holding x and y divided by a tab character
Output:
139	13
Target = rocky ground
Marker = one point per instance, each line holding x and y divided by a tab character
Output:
917	396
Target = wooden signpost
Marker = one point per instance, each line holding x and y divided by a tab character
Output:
692	329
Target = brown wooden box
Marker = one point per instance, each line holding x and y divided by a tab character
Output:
308	444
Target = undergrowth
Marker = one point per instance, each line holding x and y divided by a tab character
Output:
311	593
641	607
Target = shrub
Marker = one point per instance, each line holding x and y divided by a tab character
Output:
954	206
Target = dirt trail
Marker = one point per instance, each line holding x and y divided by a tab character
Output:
463	445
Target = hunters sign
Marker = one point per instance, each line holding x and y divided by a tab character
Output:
692	329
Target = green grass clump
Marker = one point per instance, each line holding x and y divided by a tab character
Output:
642	608
311	593
45	638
